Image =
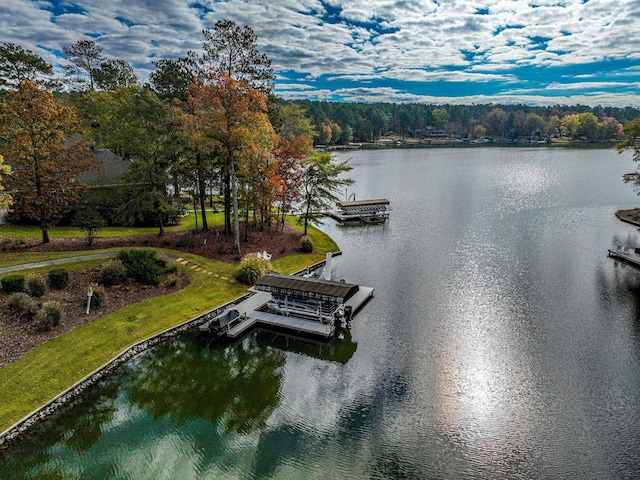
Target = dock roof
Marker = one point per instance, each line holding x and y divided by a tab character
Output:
316	288
364	203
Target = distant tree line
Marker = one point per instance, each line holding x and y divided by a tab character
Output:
341	123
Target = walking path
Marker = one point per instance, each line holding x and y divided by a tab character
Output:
58	261
93	256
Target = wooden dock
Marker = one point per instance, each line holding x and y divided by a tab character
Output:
251	315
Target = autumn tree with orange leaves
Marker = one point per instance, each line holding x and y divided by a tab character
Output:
295	143
232	52
225	121
35	132
5	198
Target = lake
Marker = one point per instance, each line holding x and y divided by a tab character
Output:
501	342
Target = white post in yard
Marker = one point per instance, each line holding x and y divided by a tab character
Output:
327	267
89	294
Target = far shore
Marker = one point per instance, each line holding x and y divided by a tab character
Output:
410	143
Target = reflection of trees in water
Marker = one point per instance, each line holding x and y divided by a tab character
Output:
78	426
339	349
236	387
622	287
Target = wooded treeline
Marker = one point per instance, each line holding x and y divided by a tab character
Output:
341	123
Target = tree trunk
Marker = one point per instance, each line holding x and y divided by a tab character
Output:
306	216
236	219
45	235
195	211
203	196
227	205
246	223
160	221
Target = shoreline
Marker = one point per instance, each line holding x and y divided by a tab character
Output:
631	216
457	143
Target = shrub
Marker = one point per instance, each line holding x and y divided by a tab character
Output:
49	316
12	283
170	266
59	278
306	244
11	244
172	282
36	285
89	222
142	265
99	295
22	304
186	241
113	273
252	268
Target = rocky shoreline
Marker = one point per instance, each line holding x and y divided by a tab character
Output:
14	432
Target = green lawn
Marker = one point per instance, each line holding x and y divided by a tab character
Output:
51	368
186	223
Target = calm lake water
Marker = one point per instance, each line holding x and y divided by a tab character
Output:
501	342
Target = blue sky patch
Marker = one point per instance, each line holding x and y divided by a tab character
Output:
58	8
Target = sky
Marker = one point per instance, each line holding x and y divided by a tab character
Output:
534	52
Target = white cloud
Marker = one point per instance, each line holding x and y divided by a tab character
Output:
410	40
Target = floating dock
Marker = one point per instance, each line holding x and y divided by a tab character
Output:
252	313
626	254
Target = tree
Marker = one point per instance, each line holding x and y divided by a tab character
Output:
323	133
611	128
231	55
440	118
35	132
136	125
322	177
171	78
17	64
336	133
347	135
5	198
632	130
588	125
197	120
114	74
553	125
293	148
533	124
571	125
89	222
85	57
233	51
257	170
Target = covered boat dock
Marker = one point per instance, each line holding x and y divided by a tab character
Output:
253	311
368	211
